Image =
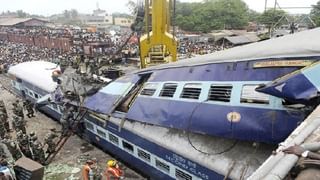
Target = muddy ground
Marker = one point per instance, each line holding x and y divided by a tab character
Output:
69	161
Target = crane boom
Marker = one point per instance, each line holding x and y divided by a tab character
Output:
158	45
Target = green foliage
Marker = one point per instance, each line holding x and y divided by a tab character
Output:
253	16
211	15
21	14
70	17
315	13
272	17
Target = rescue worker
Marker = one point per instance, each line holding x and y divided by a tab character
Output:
4	119
24	144
17	109
97	172
86	172
3	130
63	64
113	170
49	141
14	150
4	113
3	108
66	118
32	138
38	152
27	104
19	124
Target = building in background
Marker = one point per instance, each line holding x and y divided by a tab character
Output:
22	22
123	22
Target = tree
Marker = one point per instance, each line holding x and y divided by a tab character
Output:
66	14
272	17
212	14
21	14
315	13
74	13
253	15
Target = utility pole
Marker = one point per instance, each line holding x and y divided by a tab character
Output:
274	15
265	5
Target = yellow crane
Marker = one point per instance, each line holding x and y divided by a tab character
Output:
158	45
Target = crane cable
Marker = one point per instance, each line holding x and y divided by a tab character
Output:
197	149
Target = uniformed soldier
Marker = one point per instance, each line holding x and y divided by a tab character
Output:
24	144
66	118
17	109
49	141
29	107
4	115
3	130
5	121
38	152
14	150
3	108
96	170
32	138
19	124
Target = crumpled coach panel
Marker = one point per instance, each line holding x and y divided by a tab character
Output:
299	87
108	97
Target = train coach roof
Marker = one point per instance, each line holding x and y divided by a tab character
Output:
302	44
37	73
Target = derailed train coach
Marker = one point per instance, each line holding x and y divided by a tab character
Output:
199	118
173	117
33	81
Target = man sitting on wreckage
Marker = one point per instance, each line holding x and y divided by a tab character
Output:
67	99
61	94
307	168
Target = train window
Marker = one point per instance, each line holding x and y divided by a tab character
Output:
101	133
149	89
19	80
30	93
54	106
127	146
36	96
182	175
250	95
220	93
162	166
89	126
191	91
143	155
168	90
113	139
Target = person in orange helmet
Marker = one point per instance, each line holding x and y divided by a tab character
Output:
113	171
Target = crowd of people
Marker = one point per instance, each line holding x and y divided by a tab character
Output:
199	47
111	44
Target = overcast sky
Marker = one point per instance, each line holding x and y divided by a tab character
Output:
49	7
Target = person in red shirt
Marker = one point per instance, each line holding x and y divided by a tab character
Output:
113	171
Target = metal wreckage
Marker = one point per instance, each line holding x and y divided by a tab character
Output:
210	117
